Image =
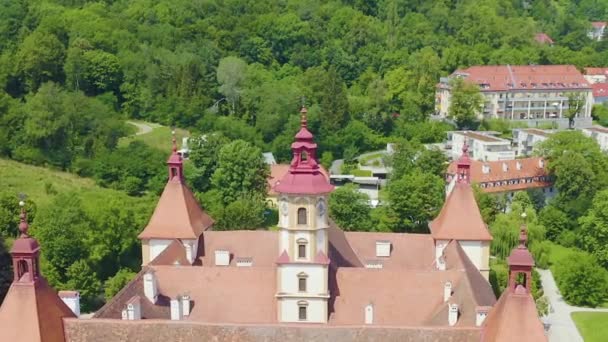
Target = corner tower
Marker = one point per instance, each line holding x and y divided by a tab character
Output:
177	216
460	220
302	283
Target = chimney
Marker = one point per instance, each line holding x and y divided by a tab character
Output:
481	312
383	248
541	163
189	252
134	308
72	300
222	258
176	309
447	291
485	168
150	289
452	314
518	165
185	305
505	167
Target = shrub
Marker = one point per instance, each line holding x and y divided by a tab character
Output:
581	280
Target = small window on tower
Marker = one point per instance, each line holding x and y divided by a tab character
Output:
173	172
302	311
301	251
304	157
21	268
302	216
302	284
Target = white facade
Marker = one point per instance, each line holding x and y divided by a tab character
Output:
157	247
482	146
599	134
526	139
302	280
597	31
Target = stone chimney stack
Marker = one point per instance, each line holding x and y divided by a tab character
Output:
72	300
485	168
447	291
189	252
441	264
150	288
452	314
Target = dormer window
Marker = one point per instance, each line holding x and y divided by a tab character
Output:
302	219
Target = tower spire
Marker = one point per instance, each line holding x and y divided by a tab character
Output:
25	252
175	163
303	120
464	165
520	261
23	226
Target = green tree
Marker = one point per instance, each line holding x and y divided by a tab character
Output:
117	282
6	270
415	199
231	75
203	155
40	59
490	205
244	213
9	214
465	103
60	230
593	235
555	221
582	281
334	103
82	278
350	209
240	171
576	103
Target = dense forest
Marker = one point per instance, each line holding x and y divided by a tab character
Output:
237	71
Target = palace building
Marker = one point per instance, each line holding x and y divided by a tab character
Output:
310	280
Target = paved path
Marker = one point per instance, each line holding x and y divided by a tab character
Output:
143	128
562	328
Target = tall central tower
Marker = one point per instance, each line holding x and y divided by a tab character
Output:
302	283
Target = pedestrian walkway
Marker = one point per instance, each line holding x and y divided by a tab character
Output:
562	328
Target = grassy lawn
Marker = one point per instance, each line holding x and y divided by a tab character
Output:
41	184
159	138
369	158
593	326
361	173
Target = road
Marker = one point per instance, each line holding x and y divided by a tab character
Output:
562	328
142	127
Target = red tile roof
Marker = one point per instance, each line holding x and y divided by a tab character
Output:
598	24
460	219
513	318
530	168
600	89
278	171
543	38
177	215
524	77
33	312
596	71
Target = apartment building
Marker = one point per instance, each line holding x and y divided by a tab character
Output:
600	134
483	146
524	140
534	94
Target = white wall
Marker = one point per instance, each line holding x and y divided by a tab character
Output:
321	241
157	247
474	251
316	312
316	282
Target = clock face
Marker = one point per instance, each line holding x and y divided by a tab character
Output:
321	208
284	207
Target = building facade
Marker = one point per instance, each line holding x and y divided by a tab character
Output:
534	94
597	31
483	146
310	280
524	140
599	134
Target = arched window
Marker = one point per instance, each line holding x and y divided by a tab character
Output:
22	268
304	157
302	216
